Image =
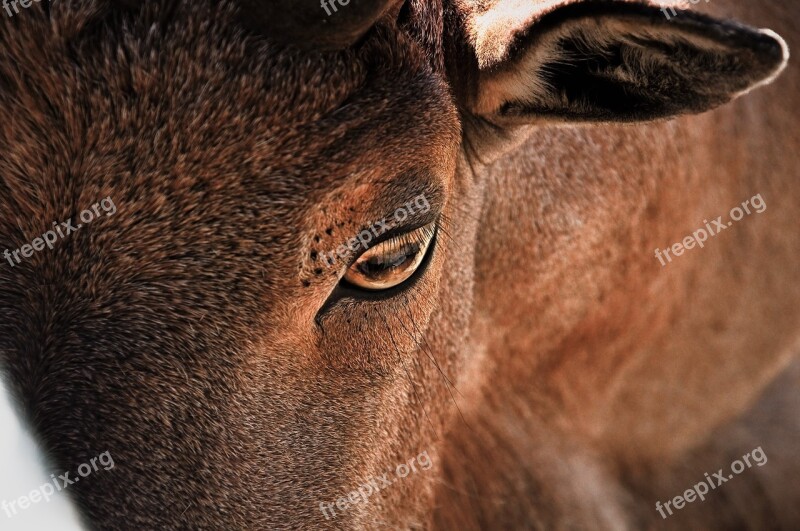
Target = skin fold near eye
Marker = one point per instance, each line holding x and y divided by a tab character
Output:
391	262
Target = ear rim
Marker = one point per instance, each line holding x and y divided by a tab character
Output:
767	44
779	70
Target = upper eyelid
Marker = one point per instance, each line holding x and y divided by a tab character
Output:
412	210
424	235
354	246
394	233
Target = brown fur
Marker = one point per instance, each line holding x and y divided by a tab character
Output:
193	335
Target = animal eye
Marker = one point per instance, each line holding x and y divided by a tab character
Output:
391	262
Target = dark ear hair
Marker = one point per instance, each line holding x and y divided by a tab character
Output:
314	24
610	61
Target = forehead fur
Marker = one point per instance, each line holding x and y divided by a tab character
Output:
177	104
85	67
219	149
214	144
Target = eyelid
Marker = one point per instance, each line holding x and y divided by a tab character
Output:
344	290
410	237
393	232
411	248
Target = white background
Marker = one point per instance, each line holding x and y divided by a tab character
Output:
22	470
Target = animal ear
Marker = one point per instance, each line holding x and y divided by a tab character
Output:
610	61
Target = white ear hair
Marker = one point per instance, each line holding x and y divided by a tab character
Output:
492	48
610	61
22	471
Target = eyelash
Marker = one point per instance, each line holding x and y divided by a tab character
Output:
393	245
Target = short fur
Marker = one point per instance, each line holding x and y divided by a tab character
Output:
197	337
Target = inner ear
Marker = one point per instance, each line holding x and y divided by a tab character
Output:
622	61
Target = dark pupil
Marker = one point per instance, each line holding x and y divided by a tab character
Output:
375	266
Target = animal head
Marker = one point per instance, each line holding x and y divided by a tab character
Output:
283	300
